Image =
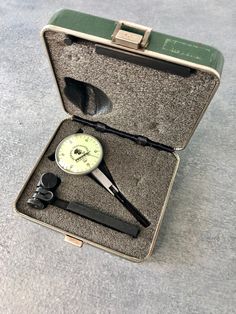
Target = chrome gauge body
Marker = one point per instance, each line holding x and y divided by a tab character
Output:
79	154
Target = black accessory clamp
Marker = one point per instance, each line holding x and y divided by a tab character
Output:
45	195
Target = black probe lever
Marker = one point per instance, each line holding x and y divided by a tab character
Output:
132	209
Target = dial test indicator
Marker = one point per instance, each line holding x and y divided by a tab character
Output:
81	154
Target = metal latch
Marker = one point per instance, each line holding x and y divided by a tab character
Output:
124	35
73	241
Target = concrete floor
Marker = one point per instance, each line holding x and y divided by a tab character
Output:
193	267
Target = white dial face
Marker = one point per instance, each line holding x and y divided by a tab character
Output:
79	154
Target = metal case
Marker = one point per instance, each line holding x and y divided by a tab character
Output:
142	41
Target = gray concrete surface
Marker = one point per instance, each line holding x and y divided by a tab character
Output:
193	267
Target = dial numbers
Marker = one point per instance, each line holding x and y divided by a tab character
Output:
79	154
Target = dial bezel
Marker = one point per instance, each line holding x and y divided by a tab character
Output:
82	172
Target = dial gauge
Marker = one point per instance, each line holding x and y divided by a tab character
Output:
79	154
82	153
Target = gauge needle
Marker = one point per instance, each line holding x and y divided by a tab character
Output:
82	156
93	156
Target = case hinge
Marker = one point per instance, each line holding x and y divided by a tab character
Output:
131	35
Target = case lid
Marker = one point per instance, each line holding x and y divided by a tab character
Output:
131	78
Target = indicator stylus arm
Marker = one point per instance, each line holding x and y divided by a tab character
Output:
132	209
103	179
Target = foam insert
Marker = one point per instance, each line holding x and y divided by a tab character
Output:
143	174
161	106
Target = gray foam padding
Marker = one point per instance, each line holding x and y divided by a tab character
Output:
161	106
143	174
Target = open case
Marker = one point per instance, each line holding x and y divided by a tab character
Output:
142	94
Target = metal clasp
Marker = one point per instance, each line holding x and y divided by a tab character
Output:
73	241
124	35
